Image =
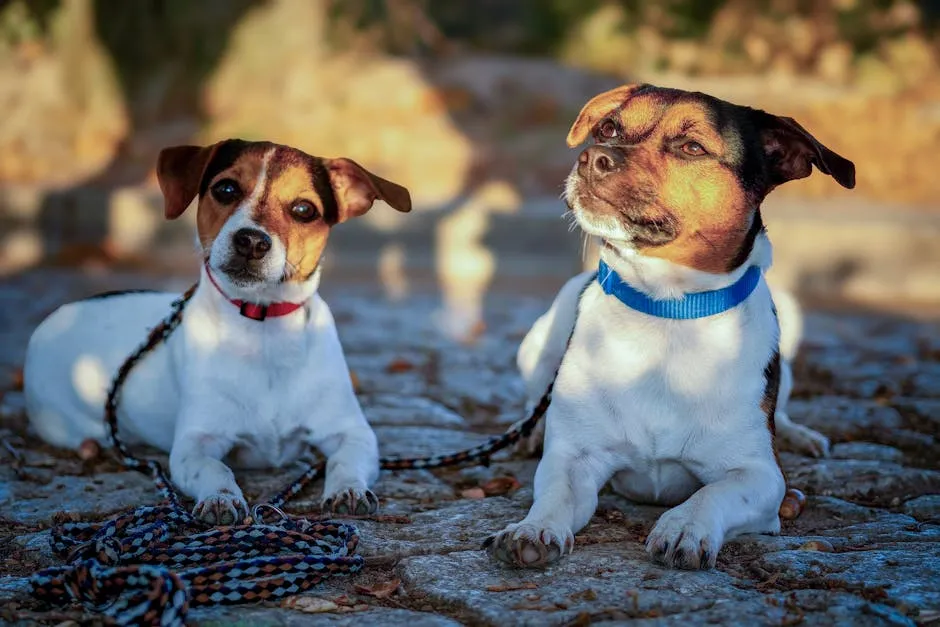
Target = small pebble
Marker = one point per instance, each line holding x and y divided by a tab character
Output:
792	505
473	493
89	450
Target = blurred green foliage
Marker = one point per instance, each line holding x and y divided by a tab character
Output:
180	37
542	26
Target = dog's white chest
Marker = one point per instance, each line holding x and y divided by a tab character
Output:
258	382
661	396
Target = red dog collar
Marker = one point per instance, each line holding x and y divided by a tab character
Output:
254	310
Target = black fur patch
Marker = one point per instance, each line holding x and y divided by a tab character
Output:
757	227
224	157
768	403
321	183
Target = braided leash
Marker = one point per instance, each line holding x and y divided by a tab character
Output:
149	565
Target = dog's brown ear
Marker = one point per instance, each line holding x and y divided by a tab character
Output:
179	171
791	152
356	189
595	110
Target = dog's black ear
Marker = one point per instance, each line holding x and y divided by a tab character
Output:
356	189
179	172
791	151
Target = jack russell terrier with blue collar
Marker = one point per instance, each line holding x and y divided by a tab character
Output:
670	377
255	375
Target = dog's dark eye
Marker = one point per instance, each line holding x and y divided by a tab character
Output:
608	129
693	149
304	211
226	191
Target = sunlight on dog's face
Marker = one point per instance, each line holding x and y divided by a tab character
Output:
265	210
681	175
265	214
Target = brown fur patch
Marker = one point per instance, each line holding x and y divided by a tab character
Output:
356	189
292	178
273	179
701	197
596	109
179	172
700	211
211	215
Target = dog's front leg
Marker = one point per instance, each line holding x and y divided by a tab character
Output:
745	500
566	486
352	466
196	467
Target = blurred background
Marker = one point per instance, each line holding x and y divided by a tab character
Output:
467	103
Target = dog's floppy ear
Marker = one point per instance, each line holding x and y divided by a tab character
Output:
791	151
179	171
356	189
597	109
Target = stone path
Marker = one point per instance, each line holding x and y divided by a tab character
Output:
865	552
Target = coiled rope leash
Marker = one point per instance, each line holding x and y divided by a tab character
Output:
147	566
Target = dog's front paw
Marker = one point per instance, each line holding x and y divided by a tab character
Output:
222	508
527	546
681	540
352	501
799	439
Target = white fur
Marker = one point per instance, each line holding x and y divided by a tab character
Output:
223	387
666	410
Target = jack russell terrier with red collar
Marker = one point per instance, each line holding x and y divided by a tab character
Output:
670	379
255	374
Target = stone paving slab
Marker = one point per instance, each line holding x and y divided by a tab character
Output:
865	552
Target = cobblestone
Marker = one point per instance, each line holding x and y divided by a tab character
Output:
866	381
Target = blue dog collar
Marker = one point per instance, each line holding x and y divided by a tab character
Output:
694	305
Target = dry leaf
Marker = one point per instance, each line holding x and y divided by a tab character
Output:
381	590
500	486
473	493
584	595
399	365
509	587
537	608
474	333
309	605
16	379
354	378
349	605
817	545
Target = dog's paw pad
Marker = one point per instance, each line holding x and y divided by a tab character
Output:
526	546
351	502
222	508
680	542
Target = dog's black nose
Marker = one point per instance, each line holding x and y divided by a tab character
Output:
599	161
251	243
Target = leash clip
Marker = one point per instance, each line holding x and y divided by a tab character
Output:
259	518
